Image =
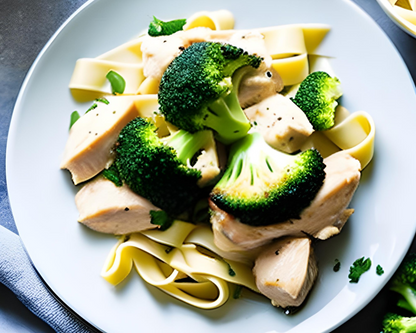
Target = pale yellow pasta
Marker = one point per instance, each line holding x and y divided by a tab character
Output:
285	41
146	249
148	86
355	135
292	70
312	35
90	74
129	53
217	20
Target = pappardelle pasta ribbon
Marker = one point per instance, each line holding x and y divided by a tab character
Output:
165	259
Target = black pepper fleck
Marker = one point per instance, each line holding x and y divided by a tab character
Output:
181	48
269	74
280	118
277	252
127	209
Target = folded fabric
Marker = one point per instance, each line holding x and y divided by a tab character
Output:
18	274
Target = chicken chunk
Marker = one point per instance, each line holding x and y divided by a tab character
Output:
106	208
257	84
283	125
158	52
325	216
286	271
88	150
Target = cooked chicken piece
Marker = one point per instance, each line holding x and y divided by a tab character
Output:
89	147
282	123
208	164
251	42
158	52
286	271
325	216
257	84
106	208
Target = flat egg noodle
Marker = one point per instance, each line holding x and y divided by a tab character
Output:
355	135
292	70
210	272
90	75
216	20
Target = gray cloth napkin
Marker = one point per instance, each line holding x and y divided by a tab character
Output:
18	274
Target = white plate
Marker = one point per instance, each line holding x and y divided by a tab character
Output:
70	257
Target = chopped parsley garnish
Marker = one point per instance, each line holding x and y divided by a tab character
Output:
337	265
161	28
379	270
237	292
359	267
92	107
118	84
112	174
161	218
102	100
74	117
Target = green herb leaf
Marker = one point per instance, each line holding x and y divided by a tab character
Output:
92	107
337	265
379	270
237	292
113	175
118	84
161	218
102	100
160	28
74	117
359	267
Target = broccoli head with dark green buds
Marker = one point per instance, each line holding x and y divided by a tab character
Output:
161	169
263	186
197	92
393	323
317	97
404	283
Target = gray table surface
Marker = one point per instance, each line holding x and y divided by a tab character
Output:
25	27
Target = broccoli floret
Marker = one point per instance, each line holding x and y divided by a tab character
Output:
317	97
263	186
404	281
197	92
393	323
160	169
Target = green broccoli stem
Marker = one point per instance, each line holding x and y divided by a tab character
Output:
408	325
408	293
251	152
226	110
402	303
188	144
